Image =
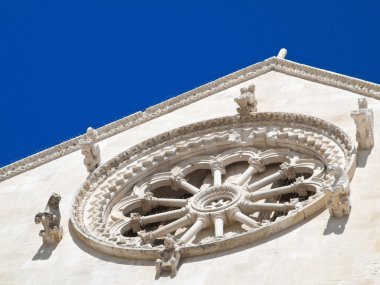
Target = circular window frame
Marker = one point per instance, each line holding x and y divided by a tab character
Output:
281	132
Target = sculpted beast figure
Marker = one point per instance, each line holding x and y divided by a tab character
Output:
90	150
50	220
363	118
246	101
170	257
338	192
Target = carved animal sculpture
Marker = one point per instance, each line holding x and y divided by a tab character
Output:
50	220
170	257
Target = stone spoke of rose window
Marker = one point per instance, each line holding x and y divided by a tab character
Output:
251	207
179	181
255	166
149	237
217	170
149	202
298	187
137	222
286	171
200	223
236	215
219	220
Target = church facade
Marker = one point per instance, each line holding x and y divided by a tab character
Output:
267	175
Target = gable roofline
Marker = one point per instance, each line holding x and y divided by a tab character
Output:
354	85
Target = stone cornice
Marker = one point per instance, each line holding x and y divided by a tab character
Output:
272	64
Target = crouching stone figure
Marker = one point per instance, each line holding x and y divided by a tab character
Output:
363	118
90	150
50	220
337	194
246	101
170	257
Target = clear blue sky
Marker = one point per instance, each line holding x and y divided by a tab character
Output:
67	65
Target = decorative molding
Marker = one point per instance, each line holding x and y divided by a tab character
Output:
120	185
272	64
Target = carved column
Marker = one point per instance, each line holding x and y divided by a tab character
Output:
175	214
217	169
255	166
200	223
236	215
297	187
149	237
180	182
247	206
218	220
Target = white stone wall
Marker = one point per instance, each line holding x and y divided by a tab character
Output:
320	251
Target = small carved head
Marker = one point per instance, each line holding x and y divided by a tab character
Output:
169	242
362	102
252	88
54	200
91	134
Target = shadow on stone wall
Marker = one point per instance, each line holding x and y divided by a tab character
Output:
44	252
336	225
362	156
251	245
103	256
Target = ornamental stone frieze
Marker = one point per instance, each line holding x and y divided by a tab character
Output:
214	185
277	64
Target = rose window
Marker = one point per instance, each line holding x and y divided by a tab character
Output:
213	185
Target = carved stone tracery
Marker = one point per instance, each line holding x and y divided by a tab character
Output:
273	163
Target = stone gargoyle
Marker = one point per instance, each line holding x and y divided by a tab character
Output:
50	220
337	194
90	150
169	258
246	101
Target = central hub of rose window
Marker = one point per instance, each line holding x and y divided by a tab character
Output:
216	198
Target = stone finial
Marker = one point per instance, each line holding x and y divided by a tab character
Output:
246	101
50	220
90	150
282	53
169	258
363	118
337	194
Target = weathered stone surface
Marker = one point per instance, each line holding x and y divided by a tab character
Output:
324	250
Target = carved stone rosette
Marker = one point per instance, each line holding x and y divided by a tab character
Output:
213	185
